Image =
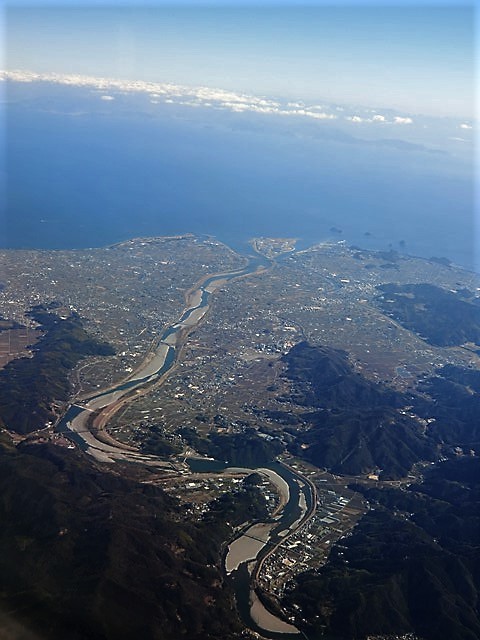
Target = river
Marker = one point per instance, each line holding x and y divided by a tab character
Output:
74	423
245	553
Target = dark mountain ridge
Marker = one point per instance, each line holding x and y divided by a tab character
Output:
412	565
30	387
442	318
89	555
354	425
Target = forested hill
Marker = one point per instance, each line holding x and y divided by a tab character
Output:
443	318
29	387
351	425
89	555
412	565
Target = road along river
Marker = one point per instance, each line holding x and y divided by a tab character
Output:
245	555
247	552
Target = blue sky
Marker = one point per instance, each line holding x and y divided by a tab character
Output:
415	58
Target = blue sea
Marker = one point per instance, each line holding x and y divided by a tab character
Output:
82	173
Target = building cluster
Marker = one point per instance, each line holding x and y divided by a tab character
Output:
308	547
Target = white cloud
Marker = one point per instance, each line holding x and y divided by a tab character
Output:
308	114
321	116
378	117
402	120
464	125
235	106
213	98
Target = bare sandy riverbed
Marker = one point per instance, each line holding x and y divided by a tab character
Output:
248	546
267	620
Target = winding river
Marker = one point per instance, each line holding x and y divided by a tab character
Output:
75	422
246	553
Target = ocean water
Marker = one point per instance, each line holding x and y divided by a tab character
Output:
88	177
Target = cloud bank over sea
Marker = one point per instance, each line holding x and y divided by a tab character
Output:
214	98
349	124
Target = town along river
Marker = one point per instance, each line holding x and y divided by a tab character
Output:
246	553
74	423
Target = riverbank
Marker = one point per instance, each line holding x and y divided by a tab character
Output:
246	554
84	420
157	364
